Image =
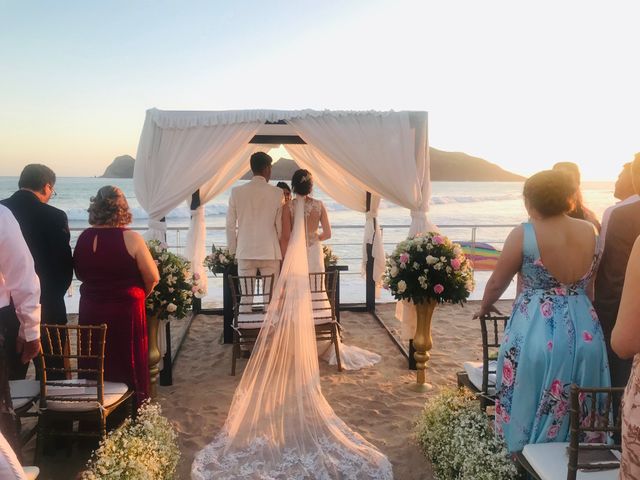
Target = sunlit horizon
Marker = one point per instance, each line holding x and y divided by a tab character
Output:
522	86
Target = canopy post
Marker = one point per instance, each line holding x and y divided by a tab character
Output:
369	281
166	374
196	303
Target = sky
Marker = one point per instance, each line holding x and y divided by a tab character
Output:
520	84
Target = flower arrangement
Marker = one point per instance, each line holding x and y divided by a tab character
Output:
329	257
458	439
173	295
219	260
428	267
142	449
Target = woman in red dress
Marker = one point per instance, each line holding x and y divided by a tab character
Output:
117	274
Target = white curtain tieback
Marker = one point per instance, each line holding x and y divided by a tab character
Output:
157	224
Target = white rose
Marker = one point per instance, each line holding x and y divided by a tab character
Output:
438	266
402	286
171	308
457	251
394	271
431	259
416	266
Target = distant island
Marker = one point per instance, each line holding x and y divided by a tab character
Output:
445	167
121	167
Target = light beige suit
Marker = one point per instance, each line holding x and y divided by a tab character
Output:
251	227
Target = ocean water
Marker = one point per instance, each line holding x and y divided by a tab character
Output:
492	207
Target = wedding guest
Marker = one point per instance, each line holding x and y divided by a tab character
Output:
286	191
46	231
553	337
623	228
624	192
579	209
18	285
117	273
625	342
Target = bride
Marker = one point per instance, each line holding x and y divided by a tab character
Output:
315	215
280	426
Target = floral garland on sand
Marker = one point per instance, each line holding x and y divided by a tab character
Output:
459	440
142	449
429	267
173	295
219	260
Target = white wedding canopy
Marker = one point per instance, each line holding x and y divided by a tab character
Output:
349	153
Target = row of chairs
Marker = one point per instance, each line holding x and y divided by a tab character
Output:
75	353
251	296
571	460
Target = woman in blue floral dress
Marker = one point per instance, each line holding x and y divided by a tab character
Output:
553	338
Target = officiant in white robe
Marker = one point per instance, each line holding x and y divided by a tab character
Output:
254	211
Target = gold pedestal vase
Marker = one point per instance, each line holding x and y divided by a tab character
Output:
154	354
422	343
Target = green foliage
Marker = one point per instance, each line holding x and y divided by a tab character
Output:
458	440
173	295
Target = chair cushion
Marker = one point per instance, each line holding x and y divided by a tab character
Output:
23	392
113	391
322	316
251	320
474	372
31	472
549	460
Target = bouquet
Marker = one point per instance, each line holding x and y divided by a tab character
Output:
144	448
428	267
219	260
459	440
177	287
329	257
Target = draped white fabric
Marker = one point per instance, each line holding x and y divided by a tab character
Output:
279	423
342	187
229	172
385	154
172	163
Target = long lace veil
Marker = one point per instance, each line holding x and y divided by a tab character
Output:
279	424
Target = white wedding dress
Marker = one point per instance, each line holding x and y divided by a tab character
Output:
280	426
352	357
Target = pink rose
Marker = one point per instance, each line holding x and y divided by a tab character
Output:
455	263
556	389
196	276
546	308
587	337
553	431
560	291
404	257
549	345
507	372
438	240
438	288
561	410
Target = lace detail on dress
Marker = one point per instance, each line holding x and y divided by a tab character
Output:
327	460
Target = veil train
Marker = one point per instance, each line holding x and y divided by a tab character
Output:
280	426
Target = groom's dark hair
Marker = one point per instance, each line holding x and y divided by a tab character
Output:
259	162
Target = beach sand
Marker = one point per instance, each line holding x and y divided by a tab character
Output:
376	402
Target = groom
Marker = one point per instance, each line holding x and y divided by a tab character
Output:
254	209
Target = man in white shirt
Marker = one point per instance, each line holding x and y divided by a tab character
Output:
19	285
251	221
624	192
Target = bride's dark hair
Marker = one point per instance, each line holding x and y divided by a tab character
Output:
302	182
